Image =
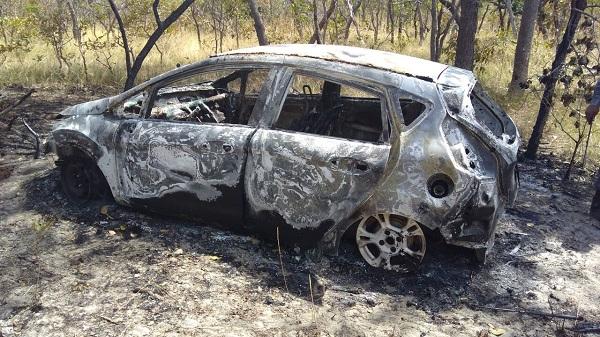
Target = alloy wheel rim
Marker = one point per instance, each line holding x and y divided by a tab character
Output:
390	241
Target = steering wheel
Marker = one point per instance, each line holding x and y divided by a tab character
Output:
323	124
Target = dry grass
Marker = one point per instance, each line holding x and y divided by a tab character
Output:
40	68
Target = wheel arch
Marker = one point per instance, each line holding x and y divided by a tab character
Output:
69	144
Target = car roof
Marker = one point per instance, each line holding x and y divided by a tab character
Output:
402	64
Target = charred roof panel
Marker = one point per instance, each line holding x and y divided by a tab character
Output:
402	64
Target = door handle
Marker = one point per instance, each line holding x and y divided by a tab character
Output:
361	166
349	164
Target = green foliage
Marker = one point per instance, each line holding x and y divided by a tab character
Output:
487	50
302	10
16	34
578	75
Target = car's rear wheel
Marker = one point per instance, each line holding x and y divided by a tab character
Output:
391	242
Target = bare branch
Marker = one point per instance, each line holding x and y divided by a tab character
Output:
18	102
155	12
139	60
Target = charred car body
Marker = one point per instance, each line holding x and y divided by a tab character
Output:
309	142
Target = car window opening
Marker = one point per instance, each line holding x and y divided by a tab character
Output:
132	107
488	113
210	97
321	107
411	110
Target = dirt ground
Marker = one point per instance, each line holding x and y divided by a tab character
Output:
99	269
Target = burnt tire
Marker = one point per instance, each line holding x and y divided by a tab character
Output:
81	180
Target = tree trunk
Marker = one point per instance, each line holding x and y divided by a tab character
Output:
77	37
126	49
316	31
482	19
511	17
195	17
297	22
391	17
521	63
541	18
577	7
433	54
351	19
421	25
467	27
556	20
259	26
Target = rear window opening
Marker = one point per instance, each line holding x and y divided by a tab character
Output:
491	115
411	110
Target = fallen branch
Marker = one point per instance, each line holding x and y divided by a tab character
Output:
36	137
108	319
17	103
350	290
533	313
586	328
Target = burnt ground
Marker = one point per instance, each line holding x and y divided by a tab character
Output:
99	269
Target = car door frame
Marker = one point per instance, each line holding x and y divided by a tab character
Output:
129	125
307	237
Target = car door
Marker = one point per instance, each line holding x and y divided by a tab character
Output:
303	176
177	164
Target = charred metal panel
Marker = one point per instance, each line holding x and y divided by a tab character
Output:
310	180
402	64
96	139
165	162
96	107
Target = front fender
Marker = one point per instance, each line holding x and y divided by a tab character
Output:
66	143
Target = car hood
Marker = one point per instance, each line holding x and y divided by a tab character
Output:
96	107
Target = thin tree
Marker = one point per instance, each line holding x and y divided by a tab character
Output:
351	19
322	24
133	68
77	36
433	51
526	30
467	28
511	17
577	7
439	31
259	26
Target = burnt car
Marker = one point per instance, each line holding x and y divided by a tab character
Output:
304	143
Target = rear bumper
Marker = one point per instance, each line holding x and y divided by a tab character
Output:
473	223
510	183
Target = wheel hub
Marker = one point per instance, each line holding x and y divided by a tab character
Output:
391	242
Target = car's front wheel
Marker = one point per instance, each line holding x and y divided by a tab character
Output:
390	241
81	179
